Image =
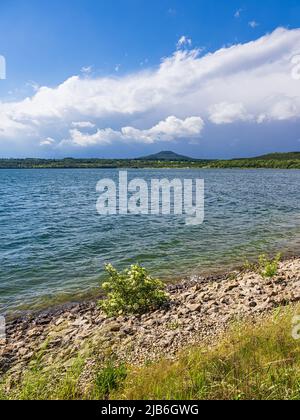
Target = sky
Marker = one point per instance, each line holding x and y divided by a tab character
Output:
126	78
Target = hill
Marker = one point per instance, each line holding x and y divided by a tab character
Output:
167	156
279	156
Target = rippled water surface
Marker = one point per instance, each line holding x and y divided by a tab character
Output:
54	244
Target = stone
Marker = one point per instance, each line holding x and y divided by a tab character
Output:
230	288
55	342
225	301
114	327
78	323
59	322
34	333
194	307
128	330
22	352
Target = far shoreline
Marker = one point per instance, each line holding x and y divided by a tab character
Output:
152	168
162	160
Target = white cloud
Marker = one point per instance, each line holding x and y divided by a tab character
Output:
171	129
238	83
49	141
184	41
101	138
86	70
33	85
253	24
165	131
226	113
83	124
282	109
238	13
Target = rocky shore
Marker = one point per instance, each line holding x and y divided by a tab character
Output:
199	311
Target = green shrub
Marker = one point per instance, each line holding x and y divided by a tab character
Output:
269	268
132	291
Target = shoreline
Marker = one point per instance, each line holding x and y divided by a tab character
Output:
201	309
86	302
92	298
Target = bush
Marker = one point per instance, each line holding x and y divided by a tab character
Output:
132	291
269	268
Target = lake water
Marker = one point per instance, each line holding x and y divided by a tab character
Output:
54	244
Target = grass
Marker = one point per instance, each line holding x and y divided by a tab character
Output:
266	267
253	362
110	378
269	268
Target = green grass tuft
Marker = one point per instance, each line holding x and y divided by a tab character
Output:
269	268
110	378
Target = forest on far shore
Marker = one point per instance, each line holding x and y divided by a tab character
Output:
271	161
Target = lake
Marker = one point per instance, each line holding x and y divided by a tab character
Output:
54	243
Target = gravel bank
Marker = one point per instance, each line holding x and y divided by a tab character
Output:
199	311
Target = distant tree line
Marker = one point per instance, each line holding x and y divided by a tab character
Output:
69	163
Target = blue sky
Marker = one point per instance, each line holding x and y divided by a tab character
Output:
125	78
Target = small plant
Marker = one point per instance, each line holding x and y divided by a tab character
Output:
109	379
269	268
173	326
132	291
249	266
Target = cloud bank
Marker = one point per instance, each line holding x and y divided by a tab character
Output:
165	131
245	83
